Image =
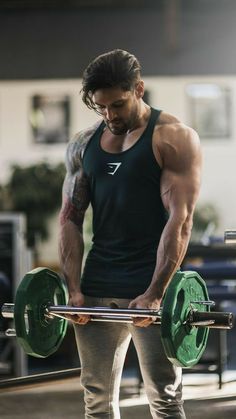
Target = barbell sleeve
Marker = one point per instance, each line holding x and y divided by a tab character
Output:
222	320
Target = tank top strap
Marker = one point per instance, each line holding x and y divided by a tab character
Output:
155	113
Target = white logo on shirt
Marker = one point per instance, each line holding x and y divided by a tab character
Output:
114	167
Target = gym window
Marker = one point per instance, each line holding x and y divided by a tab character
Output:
210	110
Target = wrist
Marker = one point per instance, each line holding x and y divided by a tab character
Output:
74	291
155	292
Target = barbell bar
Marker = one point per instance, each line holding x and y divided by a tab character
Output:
38	379
185	318
215	320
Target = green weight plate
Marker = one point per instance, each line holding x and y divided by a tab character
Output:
183	344
38	335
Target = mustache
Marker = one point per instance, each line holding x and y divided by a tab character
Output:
114	121
117	130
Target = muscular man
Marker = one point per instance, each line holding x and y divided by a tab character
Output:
140	170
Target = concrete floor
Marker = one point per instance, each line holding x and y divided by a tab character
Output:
64	399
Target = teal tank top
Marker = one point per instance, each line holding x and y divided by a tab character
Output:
128	216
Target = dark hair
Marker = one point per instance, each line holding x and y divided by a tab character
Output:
117	68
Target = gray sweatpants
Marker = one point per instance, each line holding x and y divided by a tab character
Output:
102	349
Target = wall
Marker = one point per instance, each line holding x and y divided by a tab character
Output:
59	43
16	142
167	93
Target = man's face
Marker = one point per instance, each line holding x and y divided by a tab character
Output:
119	108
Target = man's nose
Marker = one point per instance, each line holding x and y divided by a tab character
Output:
110	114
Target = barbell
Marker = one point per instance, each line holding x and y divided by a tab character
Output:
185	318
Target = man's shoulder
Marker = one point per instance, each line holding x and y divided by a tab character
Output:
169	126
167	119
82	137
77	146
173	138
169	123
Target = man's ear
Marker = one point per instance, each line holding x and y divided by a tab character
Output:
139	89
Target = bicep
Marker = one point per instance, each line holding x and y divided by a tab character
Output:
180	193
181	178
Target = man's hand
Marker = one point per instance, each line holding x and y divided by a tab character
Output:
77	300
147	302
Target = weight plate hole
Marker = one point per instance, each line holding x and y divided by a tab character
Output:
58	298
178	307
26	318
199	336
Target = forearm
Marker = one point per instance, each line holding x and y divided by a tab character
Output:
71	249
170	253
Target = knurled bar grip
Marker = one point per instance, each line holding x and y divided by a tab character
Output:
104	311
102	318
230	237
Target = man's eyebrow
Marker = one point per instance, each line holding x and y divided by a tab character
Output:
98	104
113	103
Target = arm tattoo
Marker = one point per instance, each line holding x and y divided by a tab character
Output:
76	189
70	212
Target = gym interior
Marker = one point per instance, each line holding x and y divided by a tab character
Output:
186	49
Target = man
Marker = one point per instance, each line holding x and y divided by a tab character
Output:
140	170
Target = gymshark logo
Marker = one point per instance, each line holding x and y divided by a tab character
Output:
114	167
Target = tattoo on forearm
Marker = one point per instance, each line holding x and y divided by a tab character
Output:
80	195
70	212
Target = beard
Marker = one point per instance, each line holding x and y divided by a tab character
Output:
120	126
